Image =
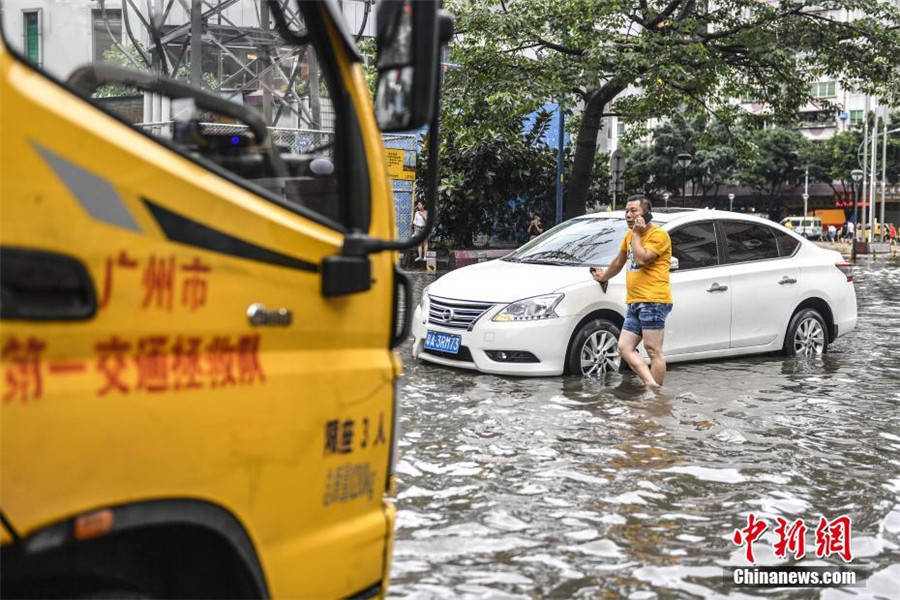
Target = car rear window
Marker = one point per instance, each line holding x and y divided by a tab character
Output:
787	244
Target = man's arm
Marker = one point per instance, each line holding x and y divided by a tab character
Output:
642	256
612	270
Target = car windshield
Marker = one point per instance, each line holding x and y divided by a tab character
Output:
575	243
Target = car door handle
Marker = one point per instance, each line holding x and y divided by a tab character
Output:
786	280
715	287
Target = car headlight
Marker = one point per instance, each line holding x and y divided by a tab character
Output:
530	309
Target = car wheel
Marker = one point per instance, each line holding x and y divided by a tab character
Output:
806	334
595	349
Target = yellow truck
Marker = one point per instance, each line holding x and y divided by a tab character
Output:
199	295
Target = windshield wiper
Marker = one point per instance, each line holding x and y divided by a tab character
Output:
562	263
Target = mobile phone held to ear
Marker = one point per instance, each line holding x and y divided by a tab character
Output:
648	216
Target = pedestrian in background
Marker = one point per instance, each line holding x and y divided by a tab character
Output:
647	252
419	219
534	228
832	232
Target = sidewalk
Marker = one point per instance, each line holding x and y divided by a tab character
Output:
842	247
883	248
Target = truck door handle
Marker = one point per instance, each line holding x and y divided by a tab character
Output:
44	286
715	287
785	280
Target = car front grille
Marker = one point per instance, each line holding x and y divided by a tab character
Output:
456	314
464	354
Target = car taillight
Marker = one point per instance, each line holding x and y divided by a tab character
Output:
846	269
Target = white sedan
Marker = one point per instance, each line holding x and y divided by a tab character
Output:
741	285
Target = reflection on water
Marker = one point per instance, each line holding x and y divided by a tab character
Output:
571	488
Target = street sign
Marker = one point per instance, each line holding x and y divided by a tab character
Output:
401	164
617	166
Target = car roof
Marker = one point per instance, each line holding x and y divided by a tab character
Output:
683	215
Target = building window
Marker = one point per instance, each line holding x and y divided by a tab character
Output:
822	89
32	21
856	116
620	128
816	118
103	41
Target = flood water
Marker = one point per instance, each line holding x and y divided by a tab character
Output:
576	488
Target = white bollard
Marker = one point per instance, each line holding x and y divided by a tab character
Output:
431	260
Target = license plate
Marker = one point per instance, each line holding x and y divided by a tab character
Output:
443	342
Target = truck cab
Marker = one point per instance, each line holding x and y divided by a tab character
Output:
200	298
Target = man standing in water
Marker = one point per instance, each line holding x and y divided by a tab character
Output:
647	251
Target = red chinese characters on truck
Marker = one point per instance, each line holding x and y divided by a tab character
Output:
163	278
150	364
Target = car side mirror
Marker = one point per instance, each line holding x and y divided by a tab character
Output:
408	41
673	264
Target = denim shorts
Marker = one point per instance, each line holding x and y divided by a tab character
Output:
646	315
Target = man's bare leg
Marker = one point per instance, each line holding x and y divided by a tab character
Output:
628	343
653	344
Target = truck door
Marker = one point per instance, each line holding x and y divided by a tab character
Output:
164	330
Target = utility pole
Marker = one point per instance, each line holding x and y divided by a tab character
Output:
560	140
884	159
196	43
267	77
865	165
617	173
806	192
871	226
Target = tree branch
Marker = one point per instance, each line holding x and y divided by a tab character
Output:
665	14
522	47
559	48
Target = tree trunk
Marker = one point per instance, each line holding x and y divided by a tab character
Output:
586	147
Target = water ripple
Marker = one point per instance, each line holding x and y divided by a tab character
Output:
570	488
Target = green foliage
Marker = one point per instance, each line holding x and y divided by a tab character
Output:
765	160
116	56
667	54
492	185
715	150
773	161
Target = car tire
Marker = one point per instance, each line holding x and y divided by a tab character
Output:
595	349
807	334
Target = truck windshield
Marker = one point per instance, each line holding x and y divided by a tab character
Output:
578	242
230	48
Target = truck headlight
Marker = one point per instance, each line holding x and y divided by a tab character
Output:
530	309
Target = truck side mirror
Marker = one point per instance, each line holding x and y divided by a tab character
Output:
408	37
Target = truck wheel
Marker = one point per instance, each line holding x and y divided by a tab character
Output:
806	334
595	349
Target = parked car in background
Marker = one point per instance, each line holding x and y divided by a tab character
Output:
741	285
808	227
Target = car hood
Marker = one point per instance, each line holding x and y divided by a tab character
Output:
505	281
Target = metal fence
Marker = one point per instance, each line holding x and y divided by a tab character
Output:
301	141
296	141
404	191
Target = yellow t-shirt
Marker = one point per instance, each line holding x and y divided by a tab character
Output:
649	283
